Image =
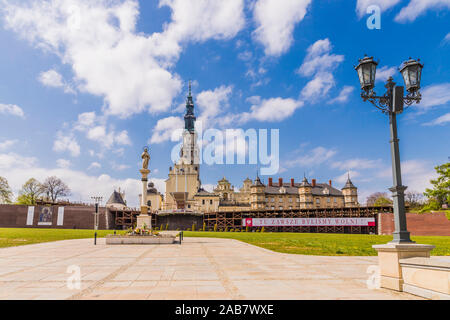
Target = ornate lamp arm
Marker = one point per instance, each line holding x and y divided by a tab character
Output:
384	103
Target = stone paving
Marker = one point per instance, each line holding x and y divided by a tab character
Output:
200	268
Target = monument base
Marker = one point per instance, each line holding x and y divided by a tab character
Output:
144	222
389	256
123	240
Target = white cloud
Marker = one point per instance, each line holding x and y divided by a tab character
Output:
200	20
166	128
122	138
362	5
447	38
416	174
245	56
435	95
85	121
130	70
320	59
12	109
442	120
415	8
320	64
52	78
7	144
343	178
212	103
343	95
357	164
319	86
275	21
67	143
63	163
209	187
11	160
96	130
315	157
271	110
385	72
120	167
94	165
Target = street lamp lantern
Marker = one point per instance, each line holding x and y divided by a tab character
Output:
367	69
411	71
392	103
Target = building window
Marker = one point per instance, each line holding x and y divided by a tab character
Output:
290	200
203	202
328	200
280	200
281	208
272	199
210	202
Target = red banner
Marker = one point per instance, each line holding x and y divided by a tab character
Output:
308	222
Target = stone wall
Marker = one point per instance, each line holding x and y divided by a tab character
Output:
71	217
427	224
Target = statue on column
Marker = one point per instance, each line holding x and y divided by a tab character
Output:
145	158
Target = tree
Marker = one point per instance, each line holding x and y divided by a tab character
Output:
441	186
5	191
30	192
379	199
413	199
55	188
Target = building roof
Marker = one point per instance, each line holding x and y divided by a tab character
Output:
258	182
305	183
349	184
224	180
318	190
203	193
116	198
321	189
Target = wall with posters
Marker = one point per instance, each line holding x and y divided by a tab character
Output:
70	217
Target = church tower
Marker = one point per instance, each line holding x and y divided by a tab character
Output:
350	193
305	193
189	153
184	178
257	195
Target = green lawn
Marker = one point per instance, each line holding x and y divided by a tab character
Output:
322	244
297	243
18	237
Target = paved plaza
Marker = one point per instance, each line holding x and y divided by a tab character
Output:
200	268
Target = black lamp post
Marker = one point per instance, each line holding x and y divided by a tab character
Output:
96	216
392	103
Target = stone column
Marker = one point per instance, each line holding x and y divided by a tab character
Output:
144	219
389	256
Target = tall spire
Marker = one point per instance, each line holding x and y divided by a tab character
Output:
349	183
190	87
189	118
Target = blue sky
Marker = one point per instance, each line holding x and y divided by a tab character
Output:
84	86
